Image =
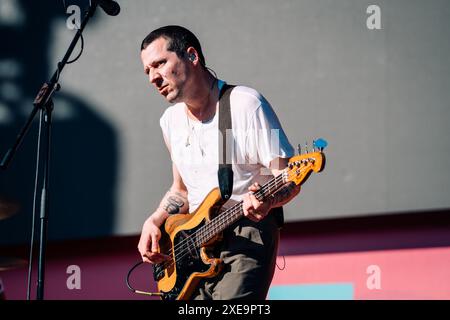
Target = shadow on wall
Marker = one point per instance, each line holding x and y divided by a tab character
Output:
84	158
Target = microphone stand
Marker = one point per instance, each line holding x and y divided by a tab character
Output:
44	103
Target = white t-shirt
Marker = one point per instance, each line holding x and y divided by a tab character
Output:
257	139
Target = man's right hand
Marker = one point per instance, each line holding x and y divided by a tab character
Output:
174	201
149	243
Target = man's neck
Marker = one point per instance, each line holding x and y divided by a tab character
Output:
201	106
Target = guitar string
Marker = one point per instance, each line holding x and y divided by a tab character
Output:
186	251
224	217
184	247
270	184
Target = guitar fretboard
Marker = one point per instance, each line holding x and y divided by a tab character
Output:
228	217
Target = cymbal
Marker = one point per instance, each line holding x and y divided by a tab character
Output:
8	207
7	263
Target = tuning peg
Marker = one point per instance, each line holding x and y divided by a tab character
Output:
306	147
299	149
320	144
314	145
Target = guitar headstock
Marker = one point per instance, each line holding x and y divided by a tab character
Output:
300	166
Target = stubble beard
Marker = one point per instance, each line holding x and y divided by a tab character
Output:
175	96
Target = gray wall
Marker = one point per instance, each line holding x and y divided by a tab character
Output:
380	98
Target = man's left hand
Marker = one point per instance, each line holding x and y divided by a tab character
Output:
254	209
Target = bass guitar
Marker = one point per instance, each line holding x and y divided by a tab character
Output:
189	239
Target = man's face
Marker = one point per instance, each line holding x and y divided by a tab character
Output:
165	70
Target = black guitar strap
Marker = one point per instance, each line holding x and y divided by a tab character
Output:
225	173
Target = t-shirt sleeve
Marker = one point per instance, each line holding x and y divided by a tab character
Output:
266	138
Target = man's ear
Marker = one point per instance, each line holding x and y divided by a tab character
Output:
192	55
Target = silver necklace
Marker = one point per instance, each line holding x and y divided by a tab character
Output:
191	128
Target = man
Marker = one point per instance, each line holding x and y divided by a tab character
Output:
173	60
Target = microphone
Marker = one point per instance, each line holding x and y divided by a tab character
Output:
110	7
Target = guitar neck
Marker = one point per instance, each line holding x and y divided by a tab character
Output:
228	217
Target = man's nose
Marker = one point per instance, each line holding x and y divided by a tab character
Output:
155	77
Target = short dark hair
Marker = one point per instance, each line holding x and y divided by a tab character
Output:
179	39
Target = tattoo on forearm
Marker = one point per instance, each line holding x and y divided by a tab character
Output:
283	194
174	203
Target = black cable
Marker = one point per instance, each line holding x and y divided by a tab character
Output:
212	71
134	290
74	59
284	264
79	54
33	221
129	273
82	42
